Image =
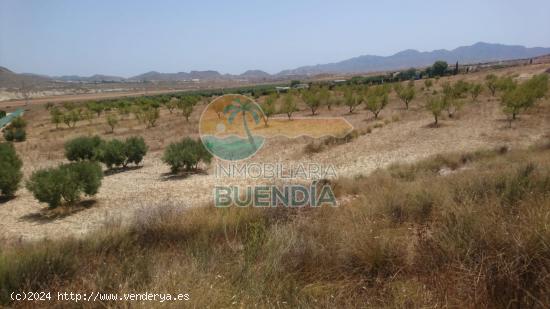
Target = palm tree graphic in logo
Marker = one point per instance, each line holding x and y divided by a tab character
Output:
227	127
244	108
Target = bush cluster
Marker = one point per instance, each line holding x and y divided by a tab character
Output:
66	182
10	169
186	154
82	148
16	130
113	153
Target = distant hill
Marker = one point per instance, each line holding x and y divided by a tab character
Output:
479	52
255	74
156	76
89	79
9	79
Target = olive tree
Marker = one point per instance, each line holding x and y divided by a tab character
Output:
186	155
82	148
65	183
15	131
10	170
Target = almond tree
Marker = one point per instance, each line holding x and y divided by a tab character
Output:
521	97
435	104
289	105
475	91
268	108
186	106
312	99
171	104
491	83
112	121
352	99
406	94
377	99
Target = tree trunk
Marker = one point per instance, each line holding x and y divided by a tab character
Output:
250	138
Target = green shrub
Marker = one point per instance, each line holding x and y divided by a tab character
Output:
82	148
111	153
66	182
18	123
15	134
186	154
16	130
19	135
134	150
2	114
9	135
10	169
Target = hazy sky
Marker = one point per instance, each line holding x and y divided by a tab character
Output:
127	38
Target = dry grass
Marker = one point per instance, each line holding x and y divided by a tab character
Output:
408	236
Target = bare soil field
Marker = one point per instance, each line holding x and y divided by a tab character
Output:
400	136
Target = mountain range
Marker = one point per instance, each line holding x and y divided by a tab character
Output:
479	52
476	53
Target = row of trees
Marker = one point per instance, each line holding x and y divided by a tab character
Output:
67	183
145	110
514	97
520	97
451	98
112	153
374	98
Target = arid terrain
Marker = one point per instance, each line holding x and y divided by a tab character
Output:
399	135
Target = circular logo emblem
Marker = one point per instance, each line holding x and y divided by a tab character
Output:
227	127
